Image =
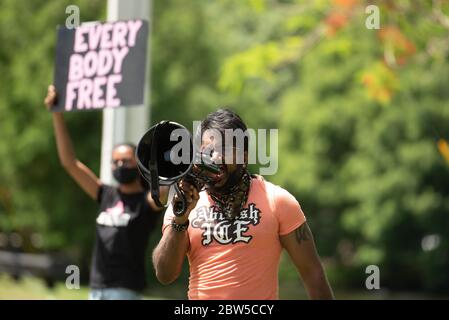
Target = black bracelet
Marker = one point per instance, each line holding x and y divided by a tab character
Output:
179	227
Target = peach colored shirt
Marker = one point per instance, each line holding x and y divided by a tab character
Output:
239	259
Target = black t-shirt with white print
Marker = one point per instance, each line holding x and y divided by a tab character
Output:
123	227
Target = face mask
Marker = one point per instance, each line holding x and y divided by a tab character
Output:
125	175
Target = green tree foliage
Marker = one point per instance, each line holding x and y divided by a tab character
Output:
359	114
35	193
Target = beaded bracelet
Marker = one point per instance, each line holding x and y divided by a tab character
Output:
179	227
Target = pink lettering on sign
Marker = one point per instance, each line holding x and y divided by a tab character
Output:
70	95
119	34
94	37
93	93
90	64
119	56
111	100
97	99
75	67
133	27
106	42
105	62
84	93
95	67
80	44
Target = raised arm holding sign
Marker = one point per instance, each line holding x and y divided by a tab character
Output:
101	66
127	215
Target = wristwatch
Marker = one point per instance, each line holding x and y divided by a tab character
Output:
179	227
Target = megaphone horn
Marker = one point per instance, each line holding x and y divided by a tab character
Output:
154	155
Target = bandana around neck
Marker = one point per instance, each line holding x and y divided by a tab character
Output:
232	202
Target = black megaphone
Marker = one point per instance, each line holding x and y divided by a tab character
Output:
155	154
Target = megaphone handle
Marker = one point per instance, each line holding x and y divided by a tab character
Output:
180	206
155	196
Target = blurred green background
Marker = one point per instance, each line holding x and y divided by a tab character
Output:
362	115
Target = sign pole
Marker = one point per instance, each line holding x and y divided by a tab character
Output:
130	123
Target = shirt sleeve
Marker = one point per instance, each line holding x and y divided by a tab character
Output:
288	212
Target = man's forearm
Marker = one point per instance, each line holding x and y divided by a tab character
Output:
318	287
170	254
64	145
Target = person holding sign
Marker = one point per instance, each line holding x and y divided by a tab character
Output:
126	217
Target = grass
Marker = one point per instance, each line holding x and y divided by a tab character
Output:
31	288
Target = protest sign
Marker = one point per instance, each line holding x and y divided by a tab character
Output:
101	65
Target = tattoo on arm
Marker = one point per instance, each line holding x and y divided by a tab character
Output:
302	233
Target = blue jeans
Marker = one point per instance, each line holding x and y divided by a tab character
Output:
114	294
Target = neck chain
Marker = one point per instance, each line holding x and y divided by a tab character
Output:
231	203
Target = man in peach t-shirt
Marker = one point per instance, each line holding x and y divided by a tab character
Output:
233	232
